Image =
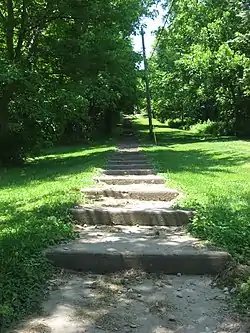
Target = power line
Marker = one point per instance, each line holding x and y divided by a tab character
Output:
162	29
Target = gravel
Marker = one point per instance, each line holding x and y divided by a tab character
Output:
133	301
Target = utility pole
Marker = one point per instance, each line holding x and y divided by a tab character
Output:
149	109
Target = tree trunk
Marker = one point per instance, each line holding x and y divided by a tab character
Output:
236	110
4	110
5	98
108	121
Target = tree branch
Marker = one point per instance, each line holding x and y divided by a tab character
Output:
34	43
2	16
37	30
10	29
54	18
21	31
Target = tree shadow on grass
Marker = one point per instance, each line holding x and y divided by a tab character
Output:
169	136
53	167
224	219
30	223
161	126
17	217
225	225
181	137
194	160
77	148
24	270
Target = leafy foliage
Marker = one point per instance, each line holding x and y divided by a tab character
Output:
209	127
201	64
67	68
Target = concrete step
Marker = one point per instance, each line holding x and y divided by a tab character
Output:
128	144
127	163
130	148
128	166
142	160
126	180
129	204
166	250
131	213
128	157
127	153
139	192
136	172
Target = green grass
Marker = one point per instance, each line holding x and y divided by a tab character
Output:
215	176
34	203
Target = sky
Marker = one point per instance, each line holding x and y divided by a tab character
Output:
152	25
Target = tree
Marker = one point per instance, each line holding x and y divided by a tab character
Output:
66	70
201	67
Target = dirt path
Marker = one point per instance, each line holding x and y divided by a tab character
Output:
134	302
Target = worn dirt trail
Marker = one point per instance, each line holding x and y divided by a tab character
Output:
134	301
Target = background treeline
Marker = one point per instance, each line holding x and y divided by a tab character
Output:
200	70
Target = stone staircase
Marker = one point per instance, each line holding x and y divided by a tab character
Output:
131	223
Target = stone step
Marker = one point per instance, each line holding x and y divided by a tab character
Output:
127	153
128	166
125	156
127	163
126	180
141	213
161	250
136	172
150	193
142	160
128	204
129	158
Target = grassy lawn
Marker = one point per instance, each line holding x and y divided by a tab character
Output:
215	175
34	203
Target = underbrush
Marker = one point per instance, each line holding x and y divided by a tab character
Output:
214	128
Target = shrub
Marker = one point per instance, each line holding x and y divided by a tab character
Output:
211	128
175	123
179	123
244	294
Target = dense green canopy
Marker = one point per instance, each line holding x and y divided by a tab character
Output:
67	68
201	67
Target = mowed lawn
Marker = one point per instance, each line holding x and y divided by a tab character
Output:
34	204
214	173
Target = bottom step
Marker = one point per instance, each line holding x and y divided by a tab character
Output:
167	250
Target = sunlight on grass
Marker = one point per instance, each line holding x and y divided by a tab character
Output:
214	175
34	203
